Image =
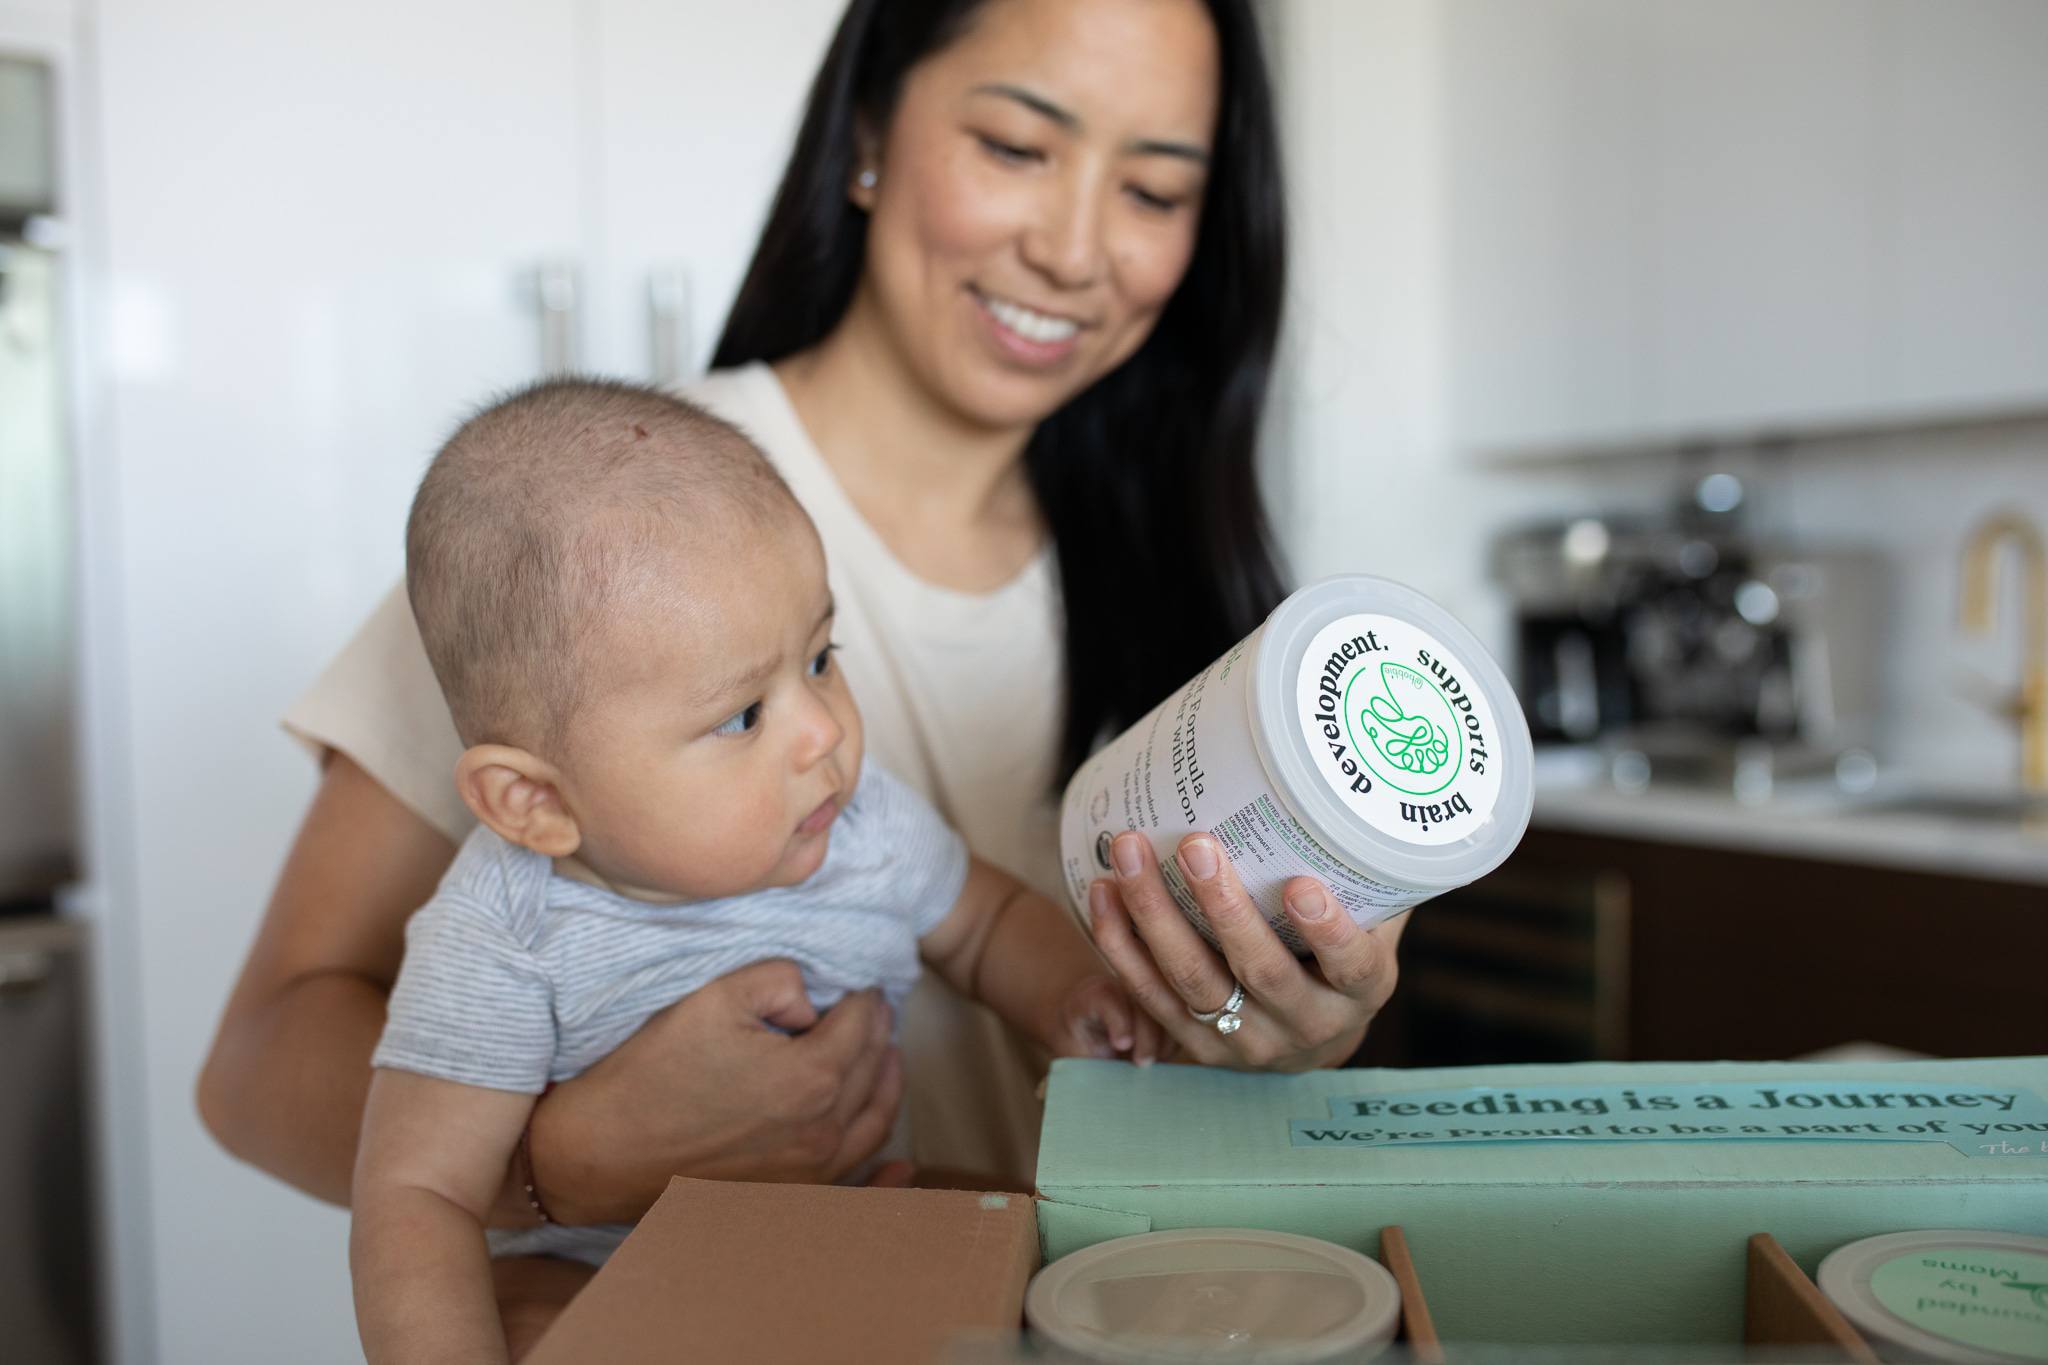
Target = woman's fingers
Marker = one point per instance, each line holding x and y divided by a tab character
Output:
1133	963
1199	979
871	1126
1253	953
1357	962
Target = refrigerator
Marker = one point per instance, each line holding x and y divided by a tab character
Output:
47	1282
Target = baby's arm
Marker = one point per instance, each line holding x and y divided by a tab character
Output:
1019	954
432	1157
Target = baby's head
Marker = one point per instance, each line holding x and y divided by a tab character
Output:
628	615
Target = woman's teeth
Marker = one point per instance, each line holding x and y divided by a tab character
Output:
1039	327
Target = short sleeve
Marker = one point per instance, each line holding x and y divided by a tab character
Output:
471	1003
379	703
927	860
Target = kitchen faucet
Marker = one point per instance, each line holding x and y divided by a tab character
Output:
2030	705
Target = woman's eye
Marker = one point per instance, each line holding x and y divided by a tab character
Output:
1007	151
1158	203
739	722
822	664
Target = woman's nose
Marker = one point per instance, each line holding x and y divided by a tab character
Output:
1065	244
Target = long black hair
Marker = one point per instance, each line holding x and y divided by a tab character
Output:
1147	478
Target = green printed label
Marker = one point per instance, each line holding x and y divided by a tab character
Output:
2010	1124
1993	1299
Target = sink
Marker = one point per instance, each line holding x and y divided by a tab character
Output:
1996	808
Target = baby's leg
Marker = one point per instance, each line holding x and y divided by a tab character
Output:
531	1290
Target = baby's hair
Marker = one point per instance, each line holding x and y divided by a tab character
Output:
534	516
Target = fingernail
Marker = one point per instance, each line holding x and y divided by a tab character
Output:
1098	901
1309	904
1130	858
1123	1042
1198	856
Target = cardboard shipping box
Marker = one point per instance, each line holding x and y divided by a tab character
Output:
1623	1222
725	1271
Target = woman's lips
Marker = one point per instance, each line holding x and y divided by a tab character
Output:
1040	340
820	819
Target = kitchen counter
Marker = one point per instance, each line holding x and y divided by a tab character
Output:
1827	827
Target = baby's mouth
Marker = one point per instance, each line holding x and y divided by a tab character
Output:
819	820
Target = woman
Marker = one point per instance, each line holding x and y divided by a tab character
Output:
1007	335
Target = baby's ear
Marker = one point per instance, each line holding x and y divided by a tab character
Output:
519	797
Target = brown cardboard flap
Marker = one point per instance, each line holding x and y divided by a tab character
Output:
1784	1308
720	1270
1417	1328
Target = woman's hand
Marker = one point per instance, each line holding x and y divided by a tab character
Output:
1295	1018
710	1088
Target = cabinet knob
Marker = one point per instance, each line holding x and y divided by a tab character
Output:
670	346
557	290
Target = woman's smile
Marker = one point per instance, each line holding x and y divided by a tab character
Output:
1025	334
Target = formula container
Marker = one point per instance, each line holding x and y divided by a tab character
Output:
1361	735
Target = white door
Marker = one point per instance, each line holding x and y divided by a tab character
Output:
695	114
317	217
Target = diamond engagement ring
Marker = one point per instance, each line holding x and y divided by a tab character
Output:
1227	1019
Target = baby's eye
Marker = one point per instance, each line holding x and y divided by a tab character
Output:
822	664
739	722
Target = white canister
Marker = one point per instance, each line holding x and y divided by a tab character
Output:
1361	735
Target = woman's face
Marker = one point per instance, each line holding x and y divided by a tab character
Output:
1037	197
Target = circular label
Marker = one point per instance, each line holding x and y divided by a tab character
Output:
1397	726
1992	1299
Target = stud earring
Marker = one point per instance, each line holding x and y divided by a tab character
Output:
867	179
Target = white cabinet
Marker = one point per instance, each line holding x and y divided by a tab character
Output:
306	257
1967	202
311	245
1672	221
1760	222
696	116
1545	254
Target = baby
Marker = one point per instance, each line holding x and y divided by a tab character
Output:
628	614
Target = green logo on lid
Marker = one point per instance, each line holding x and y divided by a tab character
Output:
1412	740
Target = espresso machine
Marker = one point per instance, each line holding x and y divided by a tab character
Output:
1681	646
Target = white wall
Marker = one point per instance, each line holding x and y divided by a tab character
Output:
1368	482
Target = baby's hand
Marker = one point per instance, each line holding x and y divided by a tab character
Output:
1098	1019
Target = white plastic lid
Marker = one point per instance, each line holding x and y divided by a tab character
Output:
1215	1294
1945	1294
1438	813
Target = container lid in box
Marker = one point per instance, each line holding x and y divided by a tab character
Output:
1216	1295
722	1270
1949	1294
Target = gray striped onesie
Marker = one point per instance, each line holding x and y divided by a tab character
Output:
516	977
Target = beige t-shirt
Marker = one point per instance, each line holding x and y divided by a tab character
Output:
960	695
